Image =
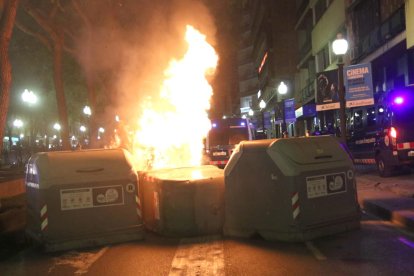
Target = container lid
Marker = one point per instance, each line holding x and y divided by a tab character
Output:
187	173
308	150
54	168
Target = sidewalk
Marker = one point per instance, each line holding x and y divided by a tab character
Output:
12	200
388	198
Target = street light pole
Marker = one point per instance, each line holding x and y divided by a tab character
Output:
30	99
342	103
340	47
282	89
262	106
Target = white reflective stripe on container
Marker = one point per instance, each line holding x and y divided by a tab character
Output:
43	211
295	205
44	224
43	218
138	206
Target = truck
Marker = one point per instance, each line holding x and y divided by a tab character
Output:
225	134
383	134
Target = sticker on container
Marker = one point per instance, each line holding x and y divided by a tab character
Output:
104	196
325	185
130	187
90	197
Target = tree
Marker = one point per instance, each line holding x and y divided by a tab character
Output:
62	24
55	41
8	16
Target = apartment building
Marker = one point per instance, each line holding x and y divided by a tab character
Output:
267	57
379	32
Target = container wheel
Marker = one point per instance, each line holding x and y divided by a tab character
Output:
384	169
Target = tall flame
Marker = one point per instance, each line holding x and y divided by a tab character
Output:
171	130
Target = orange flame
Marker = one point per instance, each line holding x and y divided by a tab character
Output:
171	130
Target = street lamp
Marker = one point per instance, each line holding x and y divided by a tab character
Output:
29	97
57	126
340	47
282	89
251	112
87	111
18	123
262	105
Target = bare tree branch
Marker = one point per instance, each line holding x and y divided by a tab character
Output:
53	11
79	11
43	39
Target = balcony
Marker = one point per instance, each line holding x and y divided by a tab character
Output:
307	93
379	35
301	7
305	48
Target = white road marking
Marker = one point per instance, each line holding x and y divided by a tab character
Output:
80	261
199	256
315	251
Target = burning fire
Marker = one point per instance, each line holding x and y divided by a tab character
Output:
171	130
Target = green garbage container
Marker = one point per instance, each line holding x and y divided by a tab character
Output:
82	198
291	189
183	202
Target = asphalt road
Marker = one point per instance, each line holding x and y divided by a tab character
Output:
378	248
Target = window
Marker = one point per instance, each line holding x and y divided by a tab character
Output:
371	118
323	58
320	9
358	122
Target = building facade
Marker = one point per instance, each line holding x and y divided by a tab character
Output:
268	57
379	32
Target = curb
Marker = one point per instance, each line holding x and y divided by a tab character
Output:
389	207
12	206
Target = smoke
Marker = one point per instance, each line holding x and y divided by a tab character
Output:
129	44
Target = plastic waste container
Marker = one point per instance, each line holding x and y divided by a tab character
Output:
184	201
82	198
292	189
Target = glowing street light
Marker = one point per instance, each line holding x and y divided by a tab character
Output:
340	47
82	128
57	126
101	130
18	123
282	89
251	112
262	104
87	111
29	97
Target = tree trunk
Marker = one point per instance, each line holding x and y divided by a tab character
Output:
7	19
60	93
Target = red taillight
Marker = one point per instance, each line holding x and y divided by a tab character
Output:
393	132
